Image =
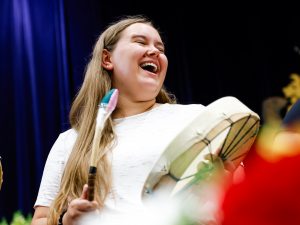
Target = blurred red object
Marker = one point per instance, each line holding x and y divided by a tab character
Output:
270	194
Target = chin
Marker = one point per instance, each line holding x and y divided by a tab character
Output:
148	95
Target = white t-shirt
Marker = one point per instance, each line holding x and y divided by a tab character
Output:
140	141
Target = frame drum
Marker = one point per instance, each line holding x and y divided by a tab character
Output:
226	128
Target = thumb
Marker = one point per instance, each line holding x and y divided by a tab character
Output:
229	165
84	192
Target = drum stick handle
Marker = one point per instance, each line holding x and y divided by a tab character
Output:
91	183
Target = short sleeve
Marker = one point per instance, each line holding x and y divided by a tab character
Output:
54	168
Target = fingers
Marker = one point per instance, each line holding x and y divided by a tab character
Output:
239	175
79	206
84	195
227	170
84	192
229	165
82	205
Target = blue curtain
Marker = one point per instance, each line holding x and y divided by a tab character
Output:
35	91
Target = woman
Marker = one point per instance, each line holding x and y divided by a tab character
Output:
129	56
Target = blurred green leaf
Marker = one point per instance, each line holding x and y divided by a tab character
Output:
18	219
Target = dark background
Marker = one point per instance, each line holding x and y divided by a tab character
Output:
45	45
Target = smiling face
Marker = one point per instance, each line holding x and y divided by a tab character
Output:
138	63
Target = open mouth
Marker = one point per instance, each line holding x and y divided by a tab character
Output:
151	67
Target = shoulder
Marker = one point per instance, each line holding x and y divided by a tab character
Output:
63	144
181	108
180	112
187	106
68	136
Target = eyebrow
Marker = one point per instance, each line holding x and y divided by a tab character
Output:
159	43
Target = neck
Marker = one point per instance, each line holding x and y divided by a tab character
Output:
127	108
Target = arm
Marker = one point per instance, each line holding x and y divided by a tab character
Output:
40	215
49	186
51	181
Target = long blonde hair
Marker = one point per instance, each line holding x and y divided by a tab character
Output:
82	118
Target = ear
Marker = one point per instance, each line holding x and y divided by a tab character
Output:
106	62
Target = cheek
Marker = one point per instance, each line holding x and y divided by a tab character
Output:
120	64
124	59
164	64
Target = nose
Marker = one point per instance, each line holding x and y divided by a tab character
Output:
153	51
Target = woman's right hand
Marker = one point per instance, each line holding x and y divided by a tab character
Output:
78	207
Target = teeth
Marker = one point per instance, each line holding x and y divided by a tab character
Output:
150	64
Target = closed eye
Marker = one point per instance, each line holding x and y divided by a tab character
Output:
141	42
162	50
